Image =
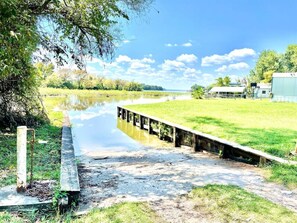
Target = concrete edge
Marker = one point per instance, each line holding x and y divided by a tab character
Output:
69	180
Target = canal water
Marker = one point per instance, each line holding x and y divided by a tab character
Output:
96	128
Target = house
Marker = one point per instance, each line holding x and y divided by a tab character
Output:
284	87
262	90
228	92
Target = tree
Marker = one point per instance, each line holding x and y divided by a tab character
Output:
64	30
197	91
289	59
268	63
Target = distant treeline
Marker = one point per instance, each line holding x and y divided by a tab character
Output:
80	79
152	87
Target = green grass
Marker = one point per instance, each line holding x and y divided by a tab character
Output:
46	156
119	213
122	213
220	203
260	124
263	125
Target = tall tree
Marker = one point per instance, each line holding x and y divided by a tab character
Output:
289	61
268	63
64	30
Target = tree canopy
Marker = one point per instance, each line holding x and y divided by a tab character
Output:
61	29
270	62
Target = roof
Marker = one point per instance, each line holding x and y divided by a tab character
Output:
285	75
264	85
228	89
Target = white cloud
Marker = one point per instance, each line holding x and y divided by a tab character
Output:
222	69
126	41
236	66
188	44
170	65
123	59
239	66
234	55
187	58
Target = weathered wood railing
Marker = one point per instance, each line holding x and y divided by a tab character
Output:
198	141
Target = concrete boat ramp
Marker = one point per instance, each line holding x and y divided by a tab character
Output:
161	176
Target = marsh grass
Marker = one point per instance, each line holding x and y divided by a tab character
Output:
226	203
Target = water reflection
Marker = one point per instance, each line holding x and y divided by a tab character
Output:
141	136
95	126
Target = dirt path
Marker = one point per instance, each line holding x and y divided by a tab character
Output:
161	176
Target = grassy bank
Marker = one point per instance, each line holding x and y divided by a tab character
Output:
46	155
102	93
221	203
263	125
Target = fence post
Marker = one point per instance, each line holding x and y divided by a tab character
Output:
21	158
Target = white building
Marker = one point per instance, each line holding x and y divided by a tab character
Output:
228	92
262	90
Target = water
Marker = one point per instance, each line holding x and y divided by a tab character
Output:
95	126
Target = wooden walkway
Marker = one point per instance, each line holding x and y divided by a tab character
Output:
198	141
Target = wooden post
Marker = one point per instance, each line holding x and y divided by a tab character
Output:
149	128
21	158
128	116
134	119
141	121
262	161
194	142
123	114
221	151
176	137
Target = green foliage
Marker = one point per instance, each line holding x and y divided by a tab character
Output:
197	91
270	62
152	87
63	30
227	203
80	79
289	59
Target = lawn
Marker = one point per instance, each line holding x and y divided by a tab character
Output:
46	155
226	203
260	124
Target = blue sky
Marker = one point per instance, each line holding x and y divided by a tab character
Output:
179	43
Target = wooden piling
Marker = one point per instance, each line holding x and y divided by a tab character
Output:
128	116
141	122
134	119
149	128
200	141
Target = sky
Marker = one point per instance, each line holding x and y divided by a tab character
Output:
179	43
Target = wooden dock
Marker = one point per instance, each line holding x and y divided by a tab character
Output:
198	141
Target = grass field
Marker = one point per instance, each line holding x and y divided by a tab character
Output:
260	124
263	125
